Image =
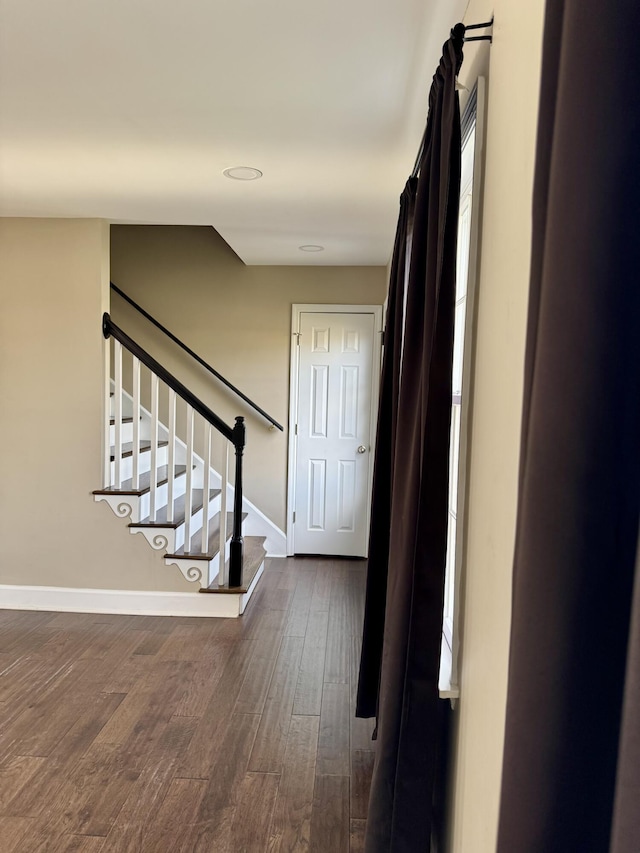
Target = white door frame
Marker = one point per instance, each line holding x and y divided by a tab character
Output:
376	366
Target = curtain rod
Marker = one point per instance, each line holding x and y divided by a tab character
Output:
483	26
416	167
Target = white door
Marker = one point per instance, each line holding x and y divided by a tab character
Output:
333	445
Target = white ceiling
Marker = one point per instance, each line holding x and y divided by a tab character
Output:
129	110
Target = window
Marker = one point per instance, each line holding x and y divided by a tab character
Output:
462	348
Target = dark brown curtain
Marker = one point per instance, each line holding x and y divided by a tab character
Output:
414	512
571	776
378	564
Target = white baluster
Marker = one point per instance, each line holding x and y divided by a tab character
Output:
171	455
106	439
223	512
206	486
117	414
155	382
188	497
136	423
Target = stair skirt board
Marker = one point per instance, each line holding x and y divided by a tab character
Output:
125	602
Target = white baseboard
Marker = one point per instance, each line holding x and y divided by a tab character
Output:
124	601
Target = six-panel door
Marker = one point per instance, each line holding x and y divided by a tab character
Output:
334	429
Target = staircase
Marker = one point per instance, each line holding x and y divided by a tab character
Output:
166	474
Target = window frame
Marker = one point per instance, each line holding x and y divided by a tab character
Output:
473	115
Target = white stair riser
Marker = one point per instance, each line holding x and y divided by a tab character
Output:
179	486
126	433
127	407
144	433
196	522
144	463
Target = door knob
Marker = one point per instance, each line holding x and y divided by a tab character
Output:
362	449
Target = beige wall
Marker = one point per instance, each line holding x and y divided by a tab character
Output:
54	280
238	318
513	81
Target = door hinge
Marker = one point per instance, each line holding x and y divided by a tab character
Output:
296	431
294	516
382	337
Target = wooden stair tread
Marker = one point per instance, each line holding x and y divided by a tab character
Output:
214	540
144	482
127	449
179	510
254	555
112	421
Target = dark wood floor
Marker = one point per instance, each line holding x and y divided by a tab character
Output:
121	734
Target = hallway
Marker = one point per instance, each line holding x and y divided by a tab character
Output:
138	734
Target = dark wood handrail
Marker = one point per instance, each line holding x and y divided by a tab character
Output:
109	329
195	356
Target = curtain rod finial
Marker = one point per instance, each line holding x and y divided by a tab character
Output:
457	32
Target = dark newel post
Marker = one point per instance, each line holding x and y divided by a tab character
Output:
237	542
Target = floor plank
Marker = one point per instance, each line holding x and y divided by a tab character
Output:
15	775
77	844
271	741
218	807
147	708
361	771
123	734
103	781
151	642
308	698
291	824
13	831
200	687
198	759
134	824
298	614
35	728
330	816
322	586
189	642
255	687
54	719
333	742
176	818
338	639
253	809
356	836
39	797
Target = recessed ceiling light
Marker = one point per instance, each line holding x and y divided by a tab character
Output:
310	247
242	173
